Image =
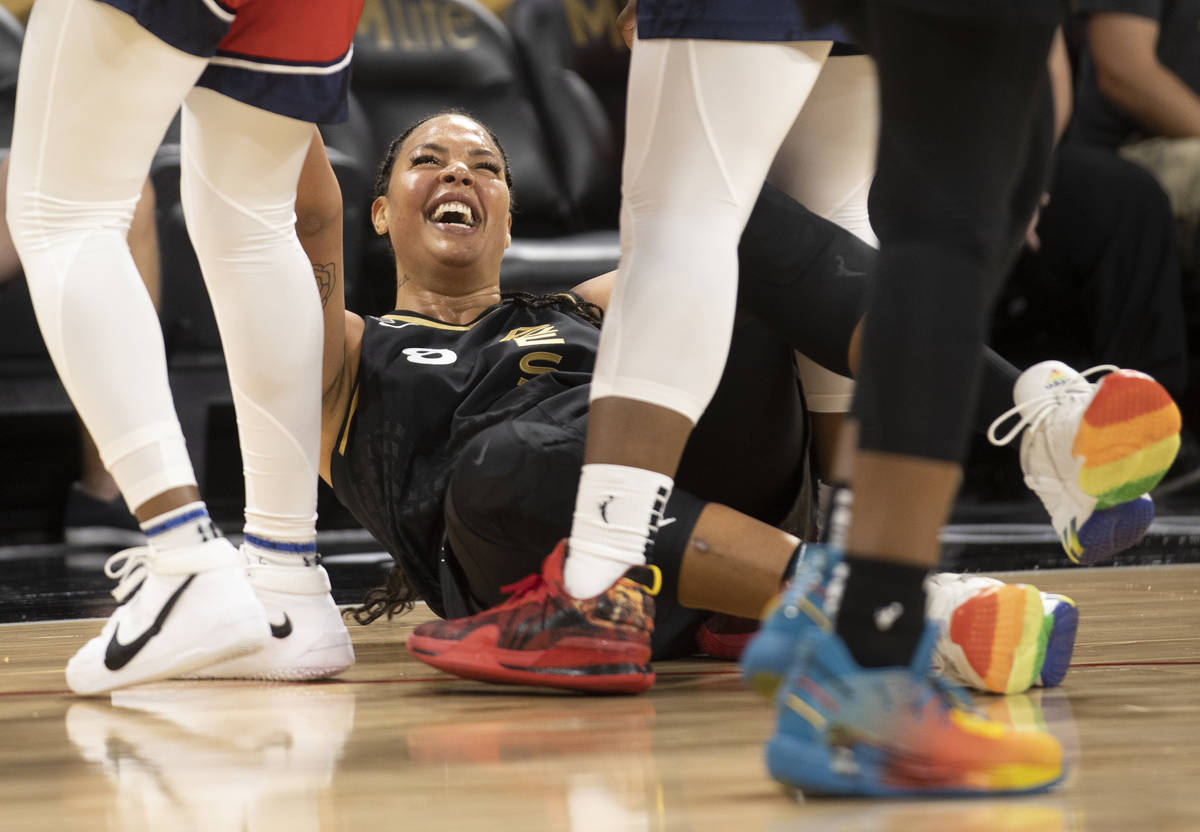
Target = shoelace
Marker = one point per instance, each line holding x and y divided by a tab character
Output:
125	567
517	590
1035	411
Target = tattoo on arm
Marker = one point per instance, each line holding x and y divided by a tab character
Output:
326	275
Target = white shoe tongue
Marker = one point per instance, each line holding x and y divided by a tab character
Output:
1041	379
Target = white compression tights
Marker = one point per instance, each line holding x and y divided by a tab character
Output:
705	120
79	158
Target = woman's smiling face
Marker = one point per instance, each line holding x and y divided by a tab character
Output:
447	203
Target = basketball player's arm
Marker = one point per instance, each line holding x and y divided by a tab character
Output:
319	227
598	290
1130	75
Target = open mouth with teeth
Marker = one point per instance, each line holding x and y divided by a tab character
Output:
454	213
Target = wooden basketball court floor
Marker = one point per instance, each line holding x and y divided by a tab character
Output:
396	745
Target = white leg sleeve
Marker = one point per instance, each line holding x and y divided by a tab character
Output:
704	121
238	188
827	163
96	92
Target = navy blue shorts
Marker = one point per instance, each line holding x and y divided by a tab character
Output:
290	57
743	20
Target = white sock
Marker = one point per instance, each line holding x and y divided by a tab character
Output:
179	527
261	549
617	511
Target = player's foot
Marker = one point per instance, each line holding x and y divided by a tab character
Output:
308	637
1062	620
542	636
1091	451
1000	637
725	636
179	611
797	610
847	730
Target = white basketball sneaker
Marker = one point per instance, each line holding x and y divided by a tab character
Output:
1091	451
179	611
308	637
1000	637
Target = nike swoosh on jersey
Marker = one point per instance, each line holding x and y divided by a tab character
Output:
282	630
117	655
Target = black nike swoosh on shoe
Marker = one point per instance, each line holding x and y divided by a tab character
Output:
117	655
282	630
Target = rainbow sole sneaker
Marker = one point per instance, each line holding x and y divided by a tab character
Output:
998	637
798	610
1091	451
1062	620
890	732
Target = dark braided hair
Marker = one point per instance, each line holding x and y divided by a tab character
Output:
383	175
396	597
562	301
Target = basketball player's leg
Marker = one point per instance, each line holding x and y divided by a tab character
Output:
690	177
95	95
971	131
240	168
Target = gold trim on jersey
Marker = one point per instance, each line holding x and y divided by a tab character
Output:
413	319
346	424
536	335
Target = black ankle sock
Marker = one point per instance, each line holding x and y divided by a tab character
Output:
882	612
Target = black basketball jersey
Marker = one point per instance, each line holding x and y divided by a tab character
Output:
424	389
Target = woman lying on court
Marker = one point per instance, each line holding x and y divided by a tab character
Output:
453	427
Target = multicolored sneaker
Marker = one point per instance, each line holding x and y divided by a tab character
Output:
1062	619
1091	451
847	730
999	637
798	610
542	636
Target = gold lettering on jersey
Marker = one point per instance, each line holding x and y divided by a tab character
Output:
593	20
416	25
534	336
534	369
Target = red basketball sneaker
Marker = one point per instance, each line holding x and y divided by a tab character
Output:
725	636
542	636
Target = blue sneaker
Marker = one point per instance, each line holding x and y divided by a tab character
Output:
795	612
890	732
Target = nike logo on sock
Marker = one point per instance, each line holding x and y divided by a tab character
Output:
885	617
117	655
604	507
282	630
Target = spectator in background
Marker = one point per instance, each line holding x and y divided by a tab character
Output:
1139	93
1105	235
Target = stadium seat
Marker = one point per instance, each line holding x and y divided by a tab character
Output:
578	66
